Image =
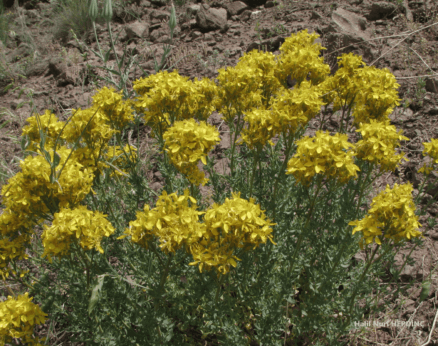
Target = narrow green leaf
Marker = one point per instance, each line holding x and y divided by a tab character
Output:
95	295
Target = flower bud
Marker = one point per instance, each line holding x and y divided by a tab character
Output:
107	10
92	11
172	20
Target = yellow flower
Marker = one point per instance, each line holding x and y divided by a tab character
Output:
35	191
377	94
430	149
378	144
300	59
49	124
263	126
323	154
265	67
91	125
370	92
164	98
172	221
87	226
237	223
392	210
295	108
15	236
201	101
118	112
18	316
188	142
139	229
238	91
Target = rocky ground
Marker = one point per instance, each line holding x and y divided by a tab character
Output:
43	67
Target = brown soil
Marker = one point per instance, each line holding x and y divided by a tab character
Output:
48	72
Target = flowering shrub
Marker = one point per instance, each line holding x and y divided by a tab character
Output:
278	237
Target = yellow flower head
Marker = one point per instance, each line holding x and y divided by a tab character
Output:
323	154
201	101
36	191
341	88
18	316
238	91
172	221
430	149
163	93
15	235
263	126
264	66
91	125
378	144
117	111
187	142
392	210
300	59
49	124
237	223
295	108
376	94
69	224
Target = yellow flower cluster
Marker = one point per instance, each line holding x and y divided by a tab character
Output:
378	94
118	113
35	191
186	142
48	123
85	225
323	153
300	59
18	316
378	144
237	223
340	88
392	211
168	97
91	126
12	243
264	66
52	180
262	128
430	149
172	221
235	82
369	91
295	108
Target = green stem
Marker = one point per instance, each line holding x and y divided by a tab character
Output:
421	190
288	141
233	142
156	253
256	159
164	275
218	289
355	290
362	277
362	188
300	239
84	259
